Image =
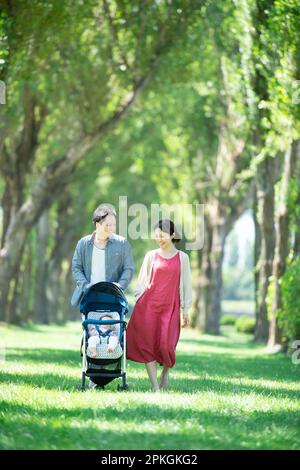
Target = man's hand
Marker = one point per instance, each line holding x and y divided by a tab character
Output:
118	284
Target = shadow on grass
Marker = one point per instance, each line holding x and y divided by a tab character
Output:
206	429
233	365
31	327
197	371
44	356
222	344
65	383
49	381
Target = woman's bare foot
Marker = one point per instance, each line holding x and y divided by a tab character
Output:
152	373
163	387
164	379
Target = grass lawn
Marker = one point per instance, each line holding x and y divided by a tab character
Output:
225	393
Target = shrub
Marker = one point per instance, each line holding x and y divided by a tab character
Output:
228	320
245	324
289	314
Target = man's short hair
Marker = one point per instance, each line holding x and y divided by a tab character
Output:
102	212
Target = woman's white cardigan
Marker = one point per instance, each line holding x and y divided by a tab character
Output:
185	288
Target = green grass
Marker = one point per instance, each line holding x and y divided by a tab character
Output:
226	393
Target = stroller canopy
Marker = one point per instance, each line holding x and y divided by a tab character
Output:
104	296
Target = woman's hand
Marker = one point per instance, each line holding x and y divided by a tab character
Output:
185	320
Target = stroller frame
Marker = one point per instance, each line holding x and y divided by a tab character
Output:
108	297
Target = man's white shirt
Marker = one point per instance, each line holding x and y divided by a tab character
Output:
98	265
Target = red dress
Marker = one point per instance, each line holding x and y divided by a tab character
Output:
154	327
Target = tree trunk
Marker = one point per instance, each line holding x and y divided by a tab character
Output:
203	288
13	311
257	247
195	316
216	284
72	313
282	243
26	298
58	289
209	295
265	216
40	304
295	245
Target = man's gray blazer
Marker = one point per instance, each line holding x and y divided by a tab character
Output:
119	264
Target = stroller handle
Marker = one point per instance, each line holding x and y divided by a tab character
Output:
102	322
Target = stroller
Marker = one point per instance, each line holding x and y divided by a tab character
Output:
104	299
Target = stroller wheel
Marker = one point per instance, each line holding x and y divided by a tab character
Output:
122	388
83	381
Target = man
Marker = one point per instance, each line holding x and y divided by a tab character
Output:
101	256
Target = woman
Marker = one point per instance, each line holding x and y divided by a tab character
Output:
164	285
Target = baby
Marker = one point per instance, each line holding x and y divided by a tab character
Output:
100	333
